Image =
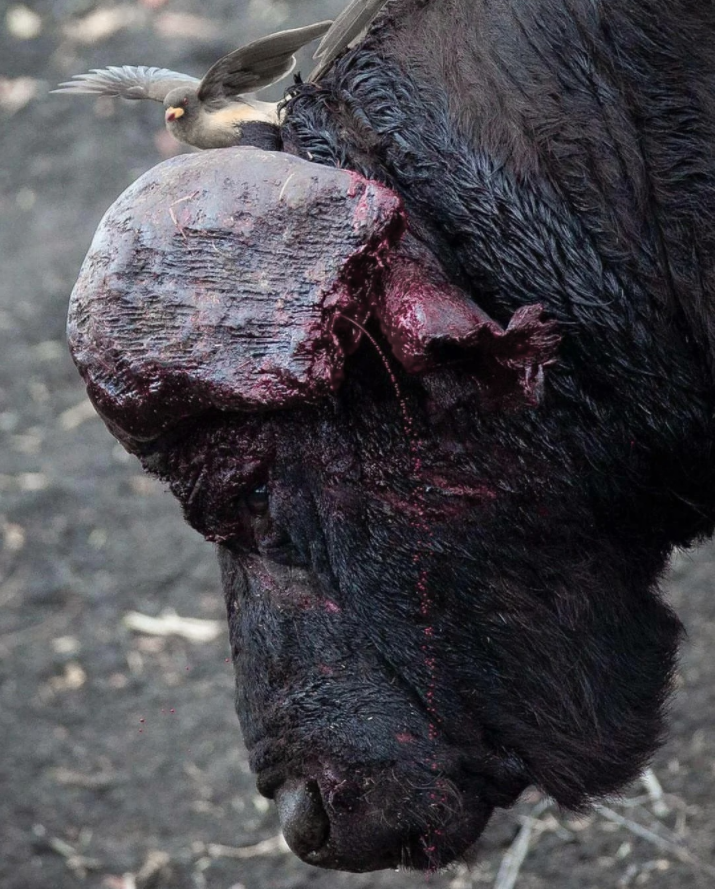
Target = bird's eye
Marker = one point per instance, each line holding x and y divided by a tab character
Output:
184	102
257	501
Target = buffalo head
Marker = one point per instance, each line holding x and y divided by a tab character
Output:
441	531
427	611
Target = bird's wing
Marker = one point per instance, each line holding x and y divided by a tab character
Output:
127	82
347	26
257	64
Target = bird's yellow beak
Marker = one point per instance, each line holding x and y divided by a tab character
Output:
173	114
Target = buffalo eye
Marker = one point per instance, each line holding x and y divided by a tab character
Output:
257	501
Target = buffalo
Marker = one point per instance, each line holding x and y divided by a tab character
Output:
438	380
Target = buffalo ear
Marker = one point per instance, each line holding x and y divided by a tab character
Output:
431	323
220	281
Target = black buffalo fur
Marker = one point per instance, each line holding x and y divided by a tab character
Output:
563	152
558	152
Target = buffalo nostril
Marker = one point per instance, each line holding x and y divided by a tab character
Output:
304	822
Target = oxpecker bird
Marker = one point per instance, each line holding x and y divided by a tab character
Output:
214	112
217	112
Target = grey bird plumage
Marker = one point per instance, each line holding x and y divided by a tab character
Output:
352	22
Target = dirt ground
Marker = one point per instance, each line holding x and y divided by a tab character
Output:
121	763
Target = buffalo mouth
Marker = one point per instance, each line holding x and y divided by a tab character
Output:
363	819
365	773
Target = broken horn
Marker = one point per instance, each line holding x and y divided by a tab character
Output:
219	281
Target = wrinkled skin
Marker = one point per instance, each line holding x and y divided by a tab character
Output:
423	624
435	600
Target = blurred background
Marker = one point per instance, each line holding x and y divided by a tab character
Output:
121	763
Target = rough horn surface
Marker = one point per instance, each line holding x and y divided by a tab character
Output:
220	280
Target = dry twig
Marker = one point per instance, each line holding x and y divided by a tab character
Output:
273	846
681	852
655	793
170	624
516	853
